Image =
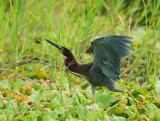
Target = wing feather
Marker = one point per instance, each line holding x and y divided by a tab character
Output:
108	50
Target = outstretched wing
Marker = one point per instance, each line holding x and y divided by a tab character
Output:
108	51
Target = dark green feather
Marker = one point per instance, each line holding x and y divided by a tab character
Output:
108	51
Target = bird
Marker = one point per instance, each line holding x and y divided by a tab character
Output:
104	71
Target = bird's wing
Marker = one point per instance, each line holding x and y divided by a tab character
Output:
107	51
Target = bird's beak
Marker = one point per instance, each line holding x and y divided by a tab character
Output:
60	48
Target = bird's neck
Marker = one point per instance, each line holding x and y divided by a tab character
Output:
75	67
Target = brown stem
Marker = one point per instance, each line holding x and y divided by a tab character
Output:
26	62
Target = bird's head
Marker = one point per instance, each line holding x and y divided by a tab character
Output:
63	50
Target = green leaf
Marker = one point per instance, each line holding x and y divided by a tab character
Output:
18	84
81	97
82	111
151	110
157	103
47	118
2	103
50	115
51	106
89	94
143	118
59	111
6	84
153	80
158	116
103	99
11	109
61	99
115	118
93	115
73	112
129	112
131	101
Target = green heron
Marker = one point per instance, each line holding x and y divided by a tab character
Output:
105	68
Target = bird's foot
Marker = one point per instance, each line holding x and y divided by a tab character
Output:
138	103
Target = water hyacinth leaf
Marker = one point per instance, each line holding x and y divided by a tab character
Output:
93	115
32	116
73	100
6	84
106	117
115	118
129	111
131	101
123	102
37	86
18	84
88	94
132	83
47	118
157	103
120	108
153	80
157	86
3	117
103	99
53	96
158	116
12	108
61	99
151	110
150	98
81	97
143	118
141	91
51	115
51	106
59	110
2	103
82	111
115	110
73	112
156	94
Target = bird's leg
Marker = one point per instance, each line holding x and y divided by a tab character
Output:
94	99
138	103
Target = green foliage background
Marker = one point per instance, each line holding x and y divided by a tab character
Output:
41	90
